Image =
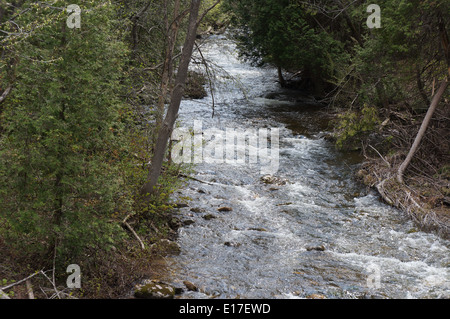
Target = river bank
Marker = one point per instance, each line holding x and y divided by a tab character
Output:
419	201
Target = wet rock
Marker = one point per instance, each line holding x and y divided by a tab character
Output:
368	295
316	248
152	289
316	296
201	191
180	205
188	222
175	223
231	244
269	179
209	217
284	204
190	286
257	229
225	209
197	210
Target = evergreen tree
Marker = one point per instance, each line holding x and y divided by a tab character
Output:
60	150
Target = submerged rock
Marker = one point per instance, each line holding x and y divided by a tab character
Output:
225	209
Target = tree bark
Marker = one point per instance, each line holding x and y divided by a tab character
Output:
172	32
174	106
281	78
422	130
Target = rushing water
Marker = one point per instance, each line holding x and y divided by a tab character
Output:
260	248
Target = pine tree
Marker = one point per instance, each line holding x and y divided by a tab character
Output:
61	144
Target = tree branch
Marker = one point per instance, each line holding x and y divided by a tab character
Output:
5	94
207	11
421	133
132	231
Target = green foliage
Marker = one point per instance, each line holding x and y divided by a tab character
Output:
352	125
216	18
284	33
63	139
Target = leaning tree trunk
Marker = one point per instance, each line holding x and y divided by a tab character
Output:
421	133
175	101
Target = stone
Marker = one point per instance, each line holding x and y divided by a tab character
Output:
190	286
231	244
257	229
209	217
152	289
316	248
269	179
188	222
225	209
174	223
316	296
180	205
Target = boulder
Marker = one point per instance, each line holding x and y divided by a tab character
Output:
152	289
190	286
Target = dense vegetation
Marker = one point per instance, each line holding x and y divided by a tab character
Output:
77	135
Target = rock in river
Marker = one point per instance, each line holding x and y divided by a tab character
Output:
151	289
209	217
190	286
316	248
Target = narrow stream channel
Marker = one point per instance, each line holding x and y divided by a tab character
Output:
316	232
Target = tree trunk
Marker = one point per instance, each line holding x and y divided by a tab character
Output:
172	32
174	106
421	133
281	78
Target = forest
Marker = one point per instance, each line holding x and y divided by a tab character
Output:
90	92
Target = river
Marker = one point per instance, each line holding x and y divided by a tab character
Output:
317	232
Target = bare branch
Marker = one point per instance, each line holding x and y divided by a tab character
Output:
5	94
132	231
209	77
19	282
